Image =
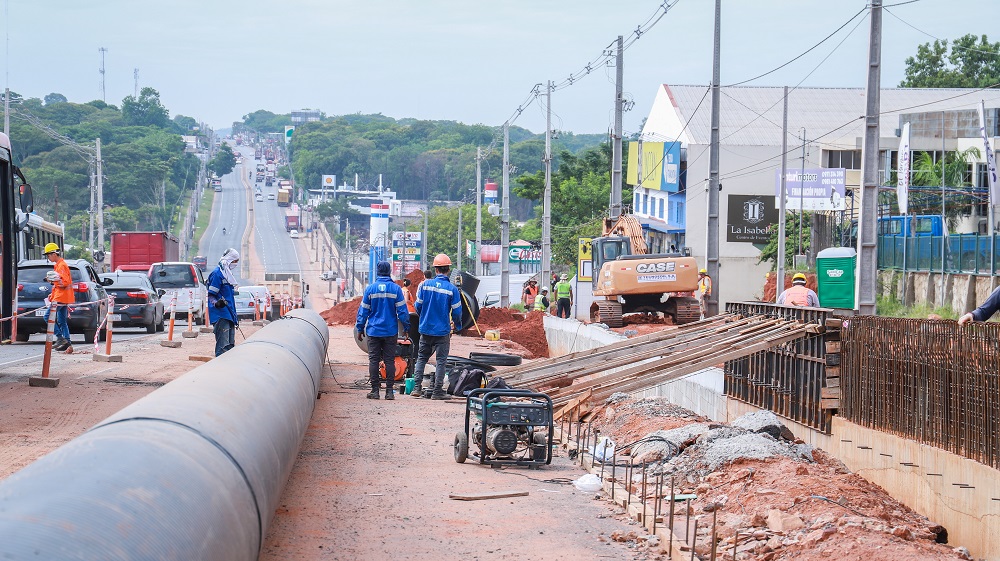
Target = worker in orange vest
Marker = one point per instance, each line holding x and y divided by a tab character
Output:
704	289
529	294
62	296
798	294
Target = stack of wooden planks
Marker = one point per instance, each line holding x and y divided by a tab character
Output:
580	381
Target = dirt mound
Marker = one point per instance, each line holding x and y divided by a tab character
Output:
525	330
769	291
416	277
345	313
646	319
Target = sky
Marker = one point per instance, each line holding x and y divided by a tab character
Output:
467	61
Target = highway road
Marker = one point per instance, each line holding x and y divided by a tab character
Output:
229	212
275	249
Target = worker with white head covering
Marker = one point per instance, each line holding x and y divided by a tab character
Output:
222	287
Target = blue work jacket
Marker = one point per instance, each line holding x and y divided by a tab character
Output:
439	306
218	287
383	304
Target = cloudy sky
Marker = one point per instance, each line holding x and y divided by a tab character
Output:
470	61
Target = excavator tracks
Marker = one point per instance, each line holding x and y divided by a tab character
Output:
688	310
609	313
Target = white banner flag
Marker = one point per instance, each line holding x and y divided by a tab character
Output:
903	170
991	162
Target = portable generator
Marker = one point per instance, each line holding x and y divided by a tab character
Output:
509	427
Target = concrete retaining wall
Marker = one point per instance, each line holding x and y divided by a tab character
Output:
961	292
569	336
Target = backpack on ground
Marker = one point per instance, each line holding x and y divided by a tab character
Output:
468	380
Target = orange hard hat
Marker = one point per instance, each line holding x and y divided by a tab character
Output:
442	260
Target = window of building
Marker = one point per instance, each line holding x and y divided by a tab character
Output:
847	159
645	205
661	209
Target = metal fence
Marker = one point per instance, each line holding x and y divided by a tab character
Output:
963	253
787	379
930	381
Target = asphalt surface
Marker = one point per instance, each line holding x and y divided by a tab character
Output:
32	350
229	212
275	249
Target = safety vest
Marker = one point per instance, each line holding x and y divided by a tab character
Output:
705	285
797	295
540	303
530	294
563	290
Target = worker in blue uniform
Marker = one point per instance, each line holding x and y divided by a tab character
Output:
439	305
381	307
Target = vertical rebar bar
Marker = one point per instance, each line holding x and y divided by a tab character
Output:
614	480
643	498
694	536
736	543
593	457
656	505
604	460
687	520
714	512
671	504
628	486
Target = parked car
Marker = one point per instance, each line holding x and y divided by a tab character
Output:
491	300
201	262
263	297
244	301
84	317
136	301
182	281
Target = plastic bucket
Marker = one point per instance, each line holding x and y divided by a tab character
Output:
492	335
409	385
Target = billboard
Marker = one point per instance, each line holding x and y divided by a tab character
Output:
661	165
407	248
751	218
815	189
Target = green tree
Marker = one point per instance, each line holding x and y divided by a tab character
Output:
55	98
973	62
146	110
769	253
223	162
927	173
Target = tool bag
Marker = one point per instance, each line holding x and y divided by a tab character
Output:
468	380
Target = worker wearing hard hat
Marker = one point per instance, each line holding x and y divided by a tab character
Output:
439	305
704	289
62	295
381	307
798	294
564	296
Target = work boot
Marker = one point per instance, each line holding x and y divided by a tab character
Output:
416	393
439	396
372	394
390	395
60	344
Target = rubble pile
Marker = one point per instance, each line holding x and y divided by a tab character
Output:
773	496
345	313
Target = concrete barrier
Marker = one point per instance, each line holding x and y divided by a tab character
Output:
569	336
193	470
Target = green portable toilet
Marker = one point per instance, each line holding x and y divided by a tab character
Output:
835	273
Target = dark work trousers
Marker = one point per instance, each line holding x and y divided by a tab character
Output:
439	345
563	304
382	349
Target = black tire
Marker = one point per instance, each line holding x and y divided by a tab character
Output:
151	326
461	447
496	359
22	337
89	335
162	325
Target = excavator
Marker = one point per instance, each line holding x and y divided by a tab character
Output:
628	279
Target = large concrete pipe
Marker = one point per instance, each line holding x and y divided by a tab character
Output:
192	471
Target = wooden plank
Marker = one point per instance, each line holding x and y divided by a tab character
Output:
834	323
486	496
832	372
829	403
832	382
832	346
829	393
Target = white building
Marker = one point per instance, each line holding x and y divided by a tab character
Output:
750	154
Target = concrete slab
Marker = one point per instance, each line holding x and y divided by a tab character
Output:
200	358
170	344
39	382
189	334
259	323
207	329
107	358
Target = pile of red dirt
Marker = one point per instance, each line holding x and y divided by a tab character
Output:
769	291
345	313
646	319
416	277
525	330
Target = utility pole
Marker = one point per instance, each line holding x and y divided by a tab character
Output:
867	248
93	191
135	76
103	93
616	159
458	258
802	185
546	272
423	242
479	212
712	255
100	209
505	222
944	217
6	111
779	281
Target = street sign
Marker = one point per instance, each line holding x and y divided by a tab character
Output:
585	264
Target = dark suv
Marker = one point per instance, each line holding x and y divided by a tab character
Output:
32	289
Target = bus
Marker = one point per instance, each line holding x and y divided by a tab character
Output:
15	202
33	237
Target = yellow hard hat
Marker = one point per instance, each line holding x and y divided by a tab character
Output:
702	271
798	277
51	247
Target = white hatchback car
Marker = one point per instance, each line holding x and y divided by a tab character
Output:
294	234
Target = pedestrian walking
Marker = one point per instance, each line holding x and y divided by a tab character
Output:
704	290
381	307
439	306
222	287
564	296
798	294
542	301
985	310
62	295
